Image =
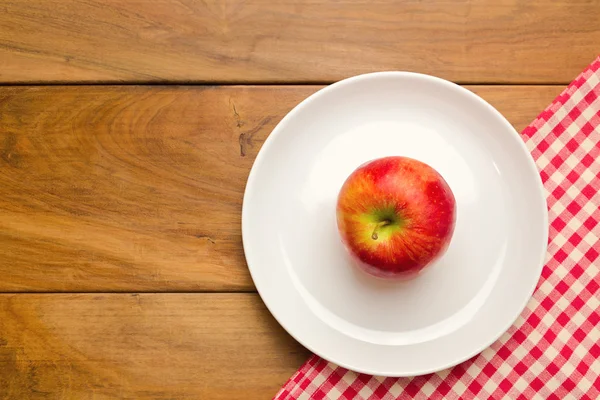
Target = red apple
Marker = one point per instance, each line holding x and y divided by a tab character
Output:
395	215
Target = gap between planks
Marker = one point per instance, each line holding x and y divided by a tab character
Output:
248	84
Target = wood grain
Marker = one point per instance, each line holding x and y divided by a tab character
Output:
140	188
502	41
147	346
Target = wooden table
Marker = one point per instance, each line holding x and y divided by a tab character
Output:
127	131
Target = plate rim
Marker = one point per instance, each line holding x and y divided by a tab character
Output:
539	189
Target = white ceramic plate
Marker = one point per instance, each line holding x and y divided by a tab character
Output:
457	307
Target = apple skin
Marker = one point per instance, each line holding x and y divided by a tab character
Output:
395	215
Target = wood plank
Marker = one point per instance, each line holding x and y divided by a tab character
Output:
503	41
147	346
140	188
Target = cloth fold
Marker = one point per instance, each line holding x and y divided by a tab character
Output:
553	349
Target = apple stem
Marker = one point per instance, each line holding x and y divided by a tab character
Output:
381	224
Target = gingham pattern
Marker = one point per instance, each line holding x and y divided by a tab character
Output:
553	350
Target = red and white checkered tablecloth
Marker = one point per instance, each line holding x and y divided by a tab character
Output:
553	350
